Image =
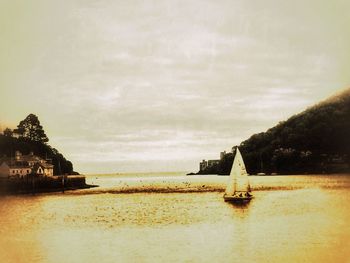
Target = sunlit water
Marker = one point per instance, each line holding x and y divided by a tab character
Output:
291	219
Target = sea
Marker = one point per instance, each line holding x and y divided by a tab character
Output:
171	217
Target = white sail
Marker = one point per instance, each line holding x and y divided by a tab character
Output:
238	176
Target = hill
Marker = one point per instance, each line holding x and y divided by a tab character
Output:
316	140
30	137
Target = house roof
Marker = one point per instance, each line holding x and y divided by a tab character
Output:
30	158
24	161
20	167
15	164
47	165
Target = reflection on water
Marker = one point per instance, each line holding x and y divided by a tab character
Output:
308	224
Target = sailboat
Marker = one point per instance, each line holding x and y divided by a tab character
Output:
238	189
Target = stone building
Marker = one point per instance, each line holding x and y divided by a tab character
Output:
204	164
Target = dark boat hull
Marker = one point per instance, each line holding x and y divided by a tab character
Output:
238	199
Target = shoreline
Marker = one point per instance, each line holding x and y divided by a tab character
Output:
268	175
23	186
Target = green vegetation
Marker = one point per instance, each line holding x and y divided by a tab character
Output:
31	129
30	137
314	141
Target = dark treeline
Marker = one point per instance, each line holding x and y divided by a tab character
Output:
30	137
314	141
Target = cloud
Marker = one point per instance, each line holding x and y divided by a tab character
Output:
135	82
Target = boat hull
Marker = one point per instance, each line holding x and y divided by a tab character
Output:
238	199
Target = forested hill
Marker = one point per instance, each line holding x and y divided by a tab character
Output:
314	141
30	137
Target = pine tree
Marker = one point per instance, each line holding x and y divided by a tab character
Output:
31	129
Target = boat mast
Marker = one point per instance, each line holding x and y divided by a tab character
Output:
248	187
234	185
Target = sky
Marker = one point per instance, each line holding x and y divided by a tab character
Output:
125	86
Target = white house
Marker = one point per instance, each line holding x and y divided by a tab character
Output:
23	165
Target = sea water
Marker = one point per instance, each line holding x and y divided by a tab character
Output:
177	218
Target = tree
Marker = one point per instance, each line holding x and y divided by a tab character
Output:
8	132
314	141
31	129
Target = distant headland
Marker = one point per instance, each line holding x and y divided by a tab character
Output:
316	140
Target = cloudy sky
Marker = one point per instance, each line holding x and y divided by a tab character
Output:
159	85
